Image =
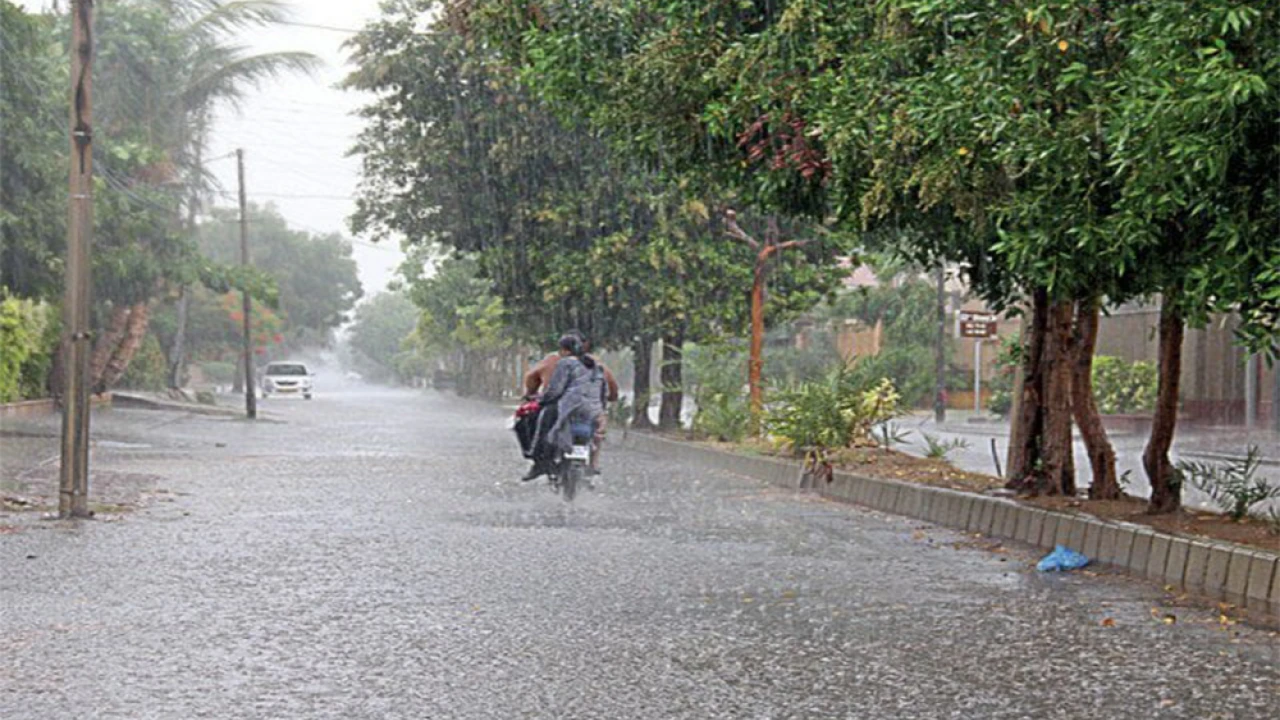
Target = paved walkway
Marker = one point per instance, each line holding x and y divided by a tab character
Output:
1190	444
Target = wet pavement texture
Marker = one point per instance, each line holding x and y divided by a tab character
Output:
372	555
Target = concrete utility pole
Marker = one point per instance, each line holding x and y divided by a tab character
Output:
73	490
250	398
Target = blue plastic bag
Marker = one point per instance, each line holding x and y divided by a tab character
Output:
1062	558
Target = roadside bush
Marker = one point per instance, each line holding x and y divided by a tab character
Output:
909	369
715	380
840	411
938	449
219	373
25	348
1000	402
1124	388
1233	485
148	367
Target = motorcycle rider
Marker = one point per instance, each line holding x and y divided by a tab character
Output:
576	394
539	379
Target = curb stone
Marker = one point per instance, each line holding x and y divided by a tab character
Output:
1176	567
1218	570
1159	557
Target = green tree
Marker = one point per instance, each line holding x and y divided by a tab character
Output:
32	154
572	229
314	280
379	333
1197	115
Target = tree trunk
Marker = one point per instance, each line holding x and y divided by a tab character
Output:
1166	485
1028	418
1058	472
642	352
755	361
135	332
56	382
940	352
1102	457
178	351
672	382
107	343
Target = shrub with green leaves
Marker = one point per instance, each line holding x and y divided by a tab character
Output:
1008	358
148	368
24	346
1232	485
839	411
939	449
219	373
715	380
1123	388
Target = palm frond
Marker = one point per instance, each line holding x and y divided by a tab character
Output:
219	18
229	79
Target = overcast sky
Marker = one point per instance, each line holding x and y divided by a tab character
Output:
296	131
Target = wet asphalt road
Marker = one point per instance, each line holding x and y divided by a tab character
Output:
373	556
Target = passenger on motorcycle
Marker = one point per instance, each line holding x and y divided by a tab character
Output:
539	379
575	395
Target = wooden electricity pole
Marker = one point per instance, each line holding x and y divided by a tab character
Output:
250	398
73	492
764	251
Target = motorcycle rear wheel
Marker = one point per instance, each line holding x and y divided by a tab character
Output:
570	479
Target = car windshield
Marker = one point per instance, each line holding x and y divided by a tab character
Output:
287	369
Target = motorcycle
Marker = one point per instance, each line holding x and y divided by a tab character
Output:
569	470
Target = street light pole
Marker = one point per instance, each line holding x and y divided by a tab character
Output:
250	399
73	490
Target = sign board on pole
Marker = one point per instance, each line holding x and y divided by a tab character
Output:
977	325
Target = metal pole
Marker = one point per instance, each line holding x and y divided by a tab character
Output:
250	397
1251	392
73	490
977	376
940	368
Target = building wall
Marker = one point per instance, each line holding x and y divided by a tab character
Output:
1212	385
1213	366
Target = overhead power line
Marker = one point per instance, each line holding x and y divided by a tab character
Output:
291	196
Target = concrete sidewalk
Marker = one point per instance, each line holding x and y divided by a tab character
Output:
1223	443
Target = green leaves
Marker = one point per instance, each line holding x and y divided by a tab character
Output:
839	411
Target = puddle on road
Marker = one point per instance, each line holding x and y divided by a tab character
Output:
117	445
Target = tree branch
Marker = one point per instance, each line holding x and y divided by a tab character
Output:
793	244
736	231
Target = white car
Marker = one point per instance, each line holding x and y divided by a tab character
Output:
287	378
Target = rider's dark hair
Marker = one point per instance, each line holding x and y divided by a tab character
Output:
572	343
